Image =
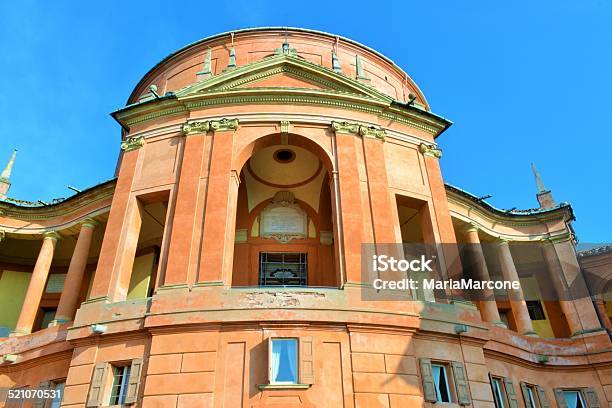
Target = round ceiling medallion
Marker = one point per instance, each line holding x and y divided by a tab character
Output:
284	156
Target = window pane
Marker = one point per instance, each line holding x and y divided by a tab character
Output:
284	361
119	388
532	402
441	383
572	399
497	393
55	403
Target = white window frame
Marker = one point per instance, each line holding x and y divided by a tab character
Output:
444	369
124	384
271	370
498	390
580	397
531	393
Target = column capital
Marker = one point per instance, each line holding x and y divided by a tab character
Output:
191	128
501	241
471	227
357	129
89	222
223	125
430	150
132	143
52	235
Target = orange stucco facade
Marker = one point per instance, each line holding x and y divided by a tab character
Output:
250	146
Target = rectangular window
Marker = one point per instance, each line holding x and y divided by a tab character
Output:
440	376
59	387
530	398
536	312
498	392
573	399
283	362
121	375
283	269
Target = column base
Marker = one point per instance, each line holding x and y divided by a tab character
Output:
500	324
530	334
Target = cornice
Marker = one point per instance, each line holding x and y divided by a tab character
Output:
491	213
424	121
63	208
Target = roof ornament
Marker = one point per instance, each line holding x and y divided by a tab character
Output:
538	179
360	72
285	48
5	184
544	196
335	61
231	64
6	173
206	71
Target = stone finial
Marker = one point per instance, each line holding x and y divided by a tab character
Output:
336	63
360	72
544	196
5	184
206	71
231	64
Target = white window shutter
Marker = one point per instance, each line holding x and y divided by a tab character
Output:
97	386
591	398
542	397
306	365
40	402
429	387
131	396
560	397
461	384
510	393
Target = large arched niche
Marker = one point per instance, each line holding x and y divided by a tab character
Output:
284	214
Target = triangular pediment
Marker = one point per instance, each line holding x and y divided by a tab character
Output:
281	72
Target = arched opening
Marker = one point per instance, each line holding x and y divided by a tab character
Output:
284	215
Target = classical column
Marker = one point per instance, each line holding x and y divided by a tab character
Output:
488	308
349	200
219	220
574	298
517	300
74	279
36	286
185	233
113	244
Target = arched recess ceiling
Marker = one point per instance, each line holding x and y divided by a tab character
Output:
302	175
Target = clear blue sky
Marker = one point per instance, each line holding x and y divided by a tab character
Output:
521	80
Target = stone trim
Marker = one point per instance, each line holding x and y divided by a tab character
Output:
220	125
430	150
355	128
132	143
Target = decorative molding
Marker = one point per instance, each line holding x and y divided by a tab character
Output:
52	235
223	125
355	128
191	128
241	236
284	127
326	237
132	143
372	132
2	235
89	222
430	150
220	125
